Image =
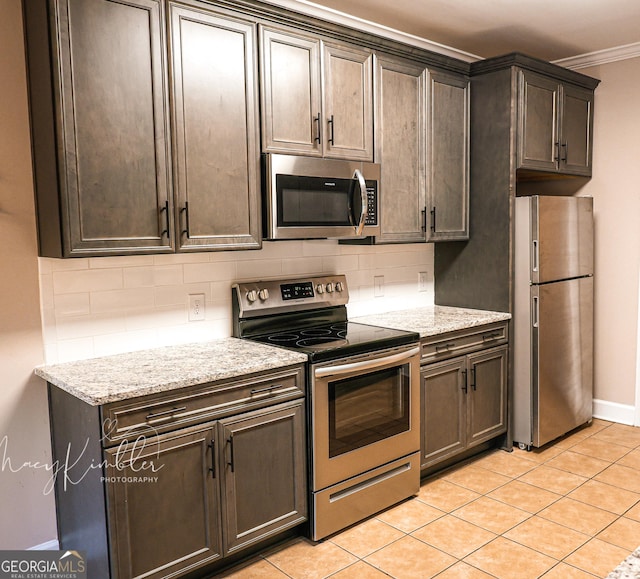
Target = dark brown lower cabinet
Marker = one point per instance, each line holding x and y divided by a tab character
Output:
172	523
464	403
263	473
220	487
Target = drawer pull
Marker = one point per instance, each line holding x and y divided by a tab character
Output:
491	336
266	390
165	412
445	347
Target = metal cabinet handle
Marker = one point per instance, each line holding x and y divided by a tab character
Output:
265	390
231	464
424	220
433	220
491	336
464	381
445	347
564	148
212	448
556	157
165	209
473	378
185	210
318	137
330	123
165	412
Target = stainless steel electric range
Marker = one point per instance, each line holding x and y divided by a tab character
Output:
363	395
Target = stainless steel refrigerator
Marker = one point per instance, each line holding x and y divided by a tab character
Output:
553	317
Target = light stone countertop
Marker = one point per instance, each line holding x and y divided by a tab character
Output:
433	320
107	379
98	381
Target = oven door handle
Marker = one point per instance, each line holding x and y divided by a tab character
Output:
365	365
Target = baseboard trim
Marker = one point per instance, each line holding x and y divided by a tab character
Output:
48	546
614	412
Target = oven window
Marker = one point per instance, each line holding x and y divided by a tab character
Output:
368	408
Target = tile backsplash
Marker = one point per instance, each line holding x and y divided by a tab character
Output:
107	305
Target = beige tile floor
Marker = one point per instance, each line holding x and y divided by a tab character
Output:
570	510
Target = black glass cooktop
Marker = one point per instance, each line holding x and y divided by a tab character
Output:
338	339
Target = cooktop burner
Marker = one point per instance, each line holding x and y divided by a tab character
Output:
337	339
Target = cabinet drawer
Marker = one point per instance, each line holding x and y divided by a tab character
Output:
163	412
460	342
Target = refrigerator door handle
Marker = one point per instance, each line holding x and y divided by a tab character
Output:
535	313
536	255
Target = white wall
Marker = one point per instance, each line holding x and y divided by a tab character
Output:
27	516
94	307
615	187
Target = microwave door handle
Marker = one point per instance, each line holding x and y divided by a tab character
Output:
364	201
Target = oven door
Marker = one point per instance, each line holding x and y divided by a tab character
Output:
365	413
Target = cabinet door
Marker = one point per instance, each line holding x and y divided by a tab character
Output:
538	138
577	130
448	158
348	102
443	402
114	175
170	523
487	399
291	102
265	488
400	149
216	130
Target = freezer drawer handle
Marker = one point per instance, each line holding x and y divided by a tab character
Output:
536	312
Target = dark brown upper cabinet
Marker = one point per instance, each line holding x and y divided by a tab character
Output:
448	158
107	180
215	126
99	118
555	125
317	96
401	135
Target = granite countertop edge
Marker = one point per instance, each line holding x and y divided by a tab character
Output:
120	377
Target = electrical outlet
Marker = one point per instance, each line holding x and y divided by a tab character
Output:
423	282
378	286
196	307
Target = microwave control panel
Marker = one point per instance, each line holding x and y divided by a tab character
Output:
372	203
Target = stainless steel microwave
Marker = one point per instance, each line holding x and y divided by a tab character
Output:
313	198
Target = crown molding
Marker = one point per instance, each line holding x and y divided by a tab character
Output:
337	17
601	56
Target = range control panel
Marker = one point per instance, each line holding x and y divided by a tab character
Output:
274	296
